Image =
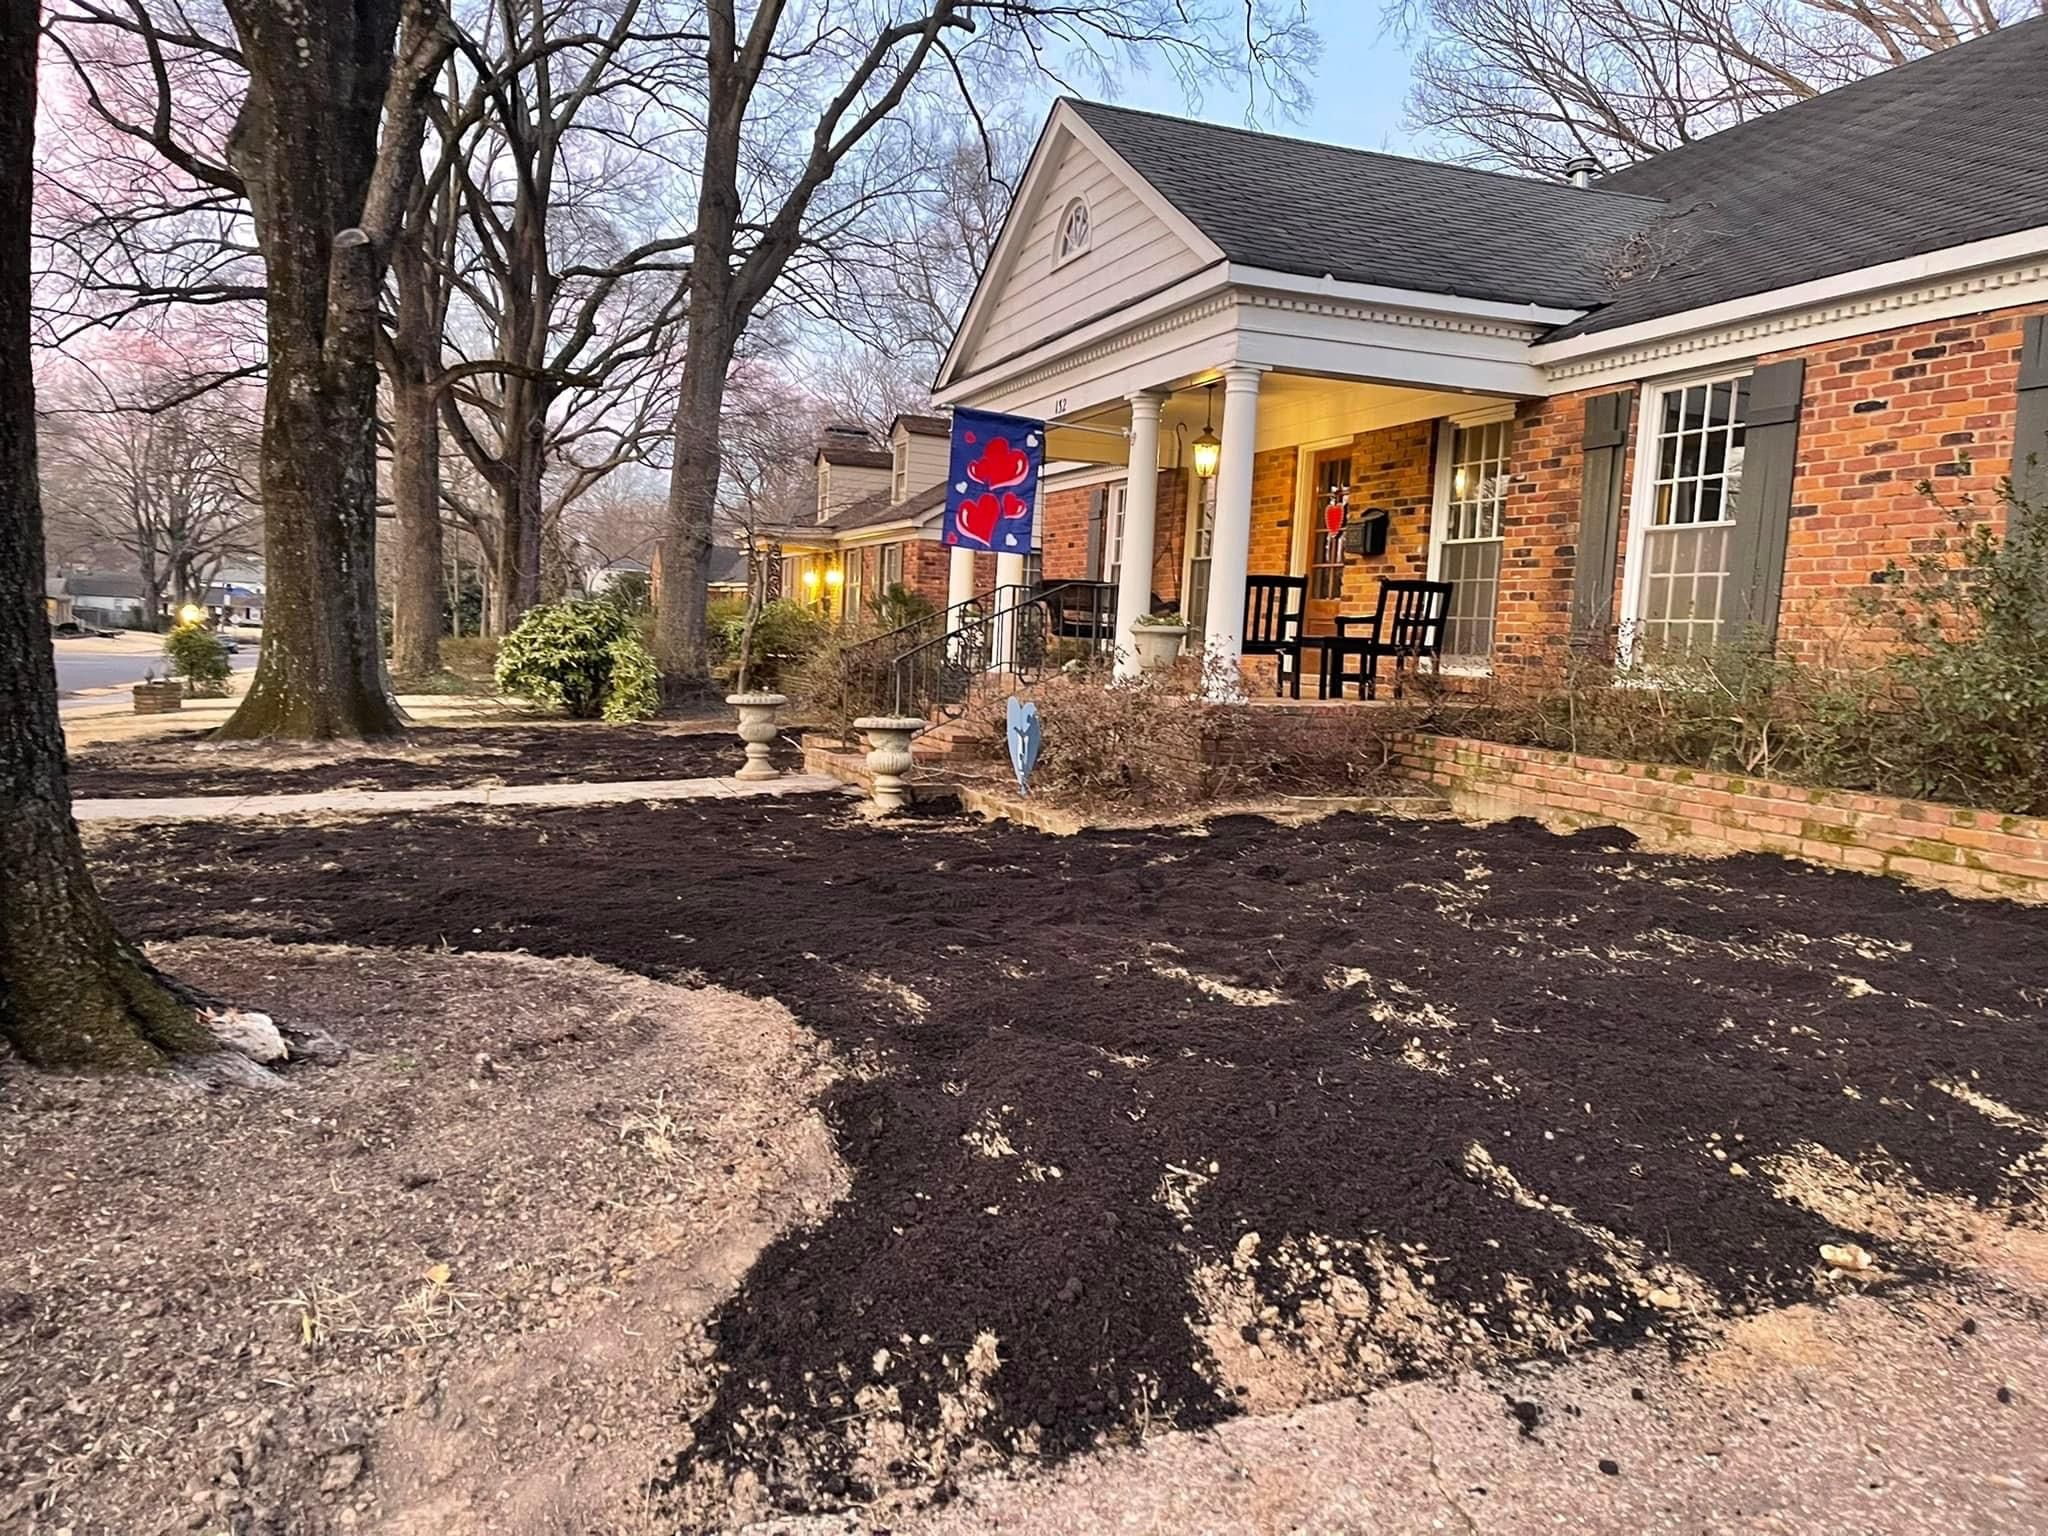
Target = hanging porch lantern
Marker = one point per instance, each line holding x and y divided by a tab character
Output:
1206	451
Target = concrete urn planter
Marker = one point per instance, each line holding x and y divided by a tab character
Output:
1158	645
757	729
889	755
158	697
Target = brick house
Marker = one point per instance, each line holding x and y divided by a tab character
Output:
1681	401
877	524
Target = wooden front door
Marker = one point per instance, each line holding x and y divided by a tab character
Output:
1322	547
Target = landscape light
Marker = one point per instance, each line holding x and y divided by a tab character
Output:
191	613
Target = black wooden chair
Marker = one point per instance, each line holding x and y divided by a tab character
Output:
1080	610
1272	625
1406	626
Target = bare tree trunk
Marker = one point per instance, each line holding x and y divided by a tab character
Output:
307	149
679	639
416	496
72	993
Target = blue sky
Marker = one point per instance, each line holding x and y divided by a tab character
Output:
1357	93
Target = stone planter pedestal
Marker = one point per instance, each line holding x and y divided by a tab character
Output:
889	755
1157	645
757	729
158	698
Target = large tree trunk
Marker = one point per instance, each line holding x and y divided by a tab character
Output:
306	146
416	496
72	994
679	638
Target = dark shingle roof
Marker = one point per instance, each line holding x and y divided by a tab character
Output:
929	426
728	567
105	584
1939	152
856	458
871	511
1296	206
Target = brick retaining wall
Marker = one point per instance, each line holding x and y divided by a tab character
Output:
1973	853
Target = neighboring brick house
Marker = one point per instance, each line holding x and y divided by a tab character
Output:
1693	399
879	515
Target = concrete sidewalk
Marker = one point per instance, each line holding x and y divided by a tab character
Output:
378	802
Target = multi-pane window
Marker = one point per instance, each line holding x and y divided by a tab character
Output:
856	568
1332	488
1474	516
1112	562
1201	544
1694	483
899	471
892	567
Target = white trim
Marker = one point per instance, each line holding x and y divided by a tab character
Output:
1524	319
1440	496
1082	479
1299	535
1641	484
1062	126
2002	273
1060	254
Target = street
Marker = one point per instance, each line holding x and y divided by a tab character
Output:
115	663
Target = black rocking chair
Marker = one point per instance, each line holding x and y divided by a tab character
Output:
1272	625
1406	625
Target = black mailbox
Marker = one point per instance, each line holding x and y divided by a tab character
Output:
1365	533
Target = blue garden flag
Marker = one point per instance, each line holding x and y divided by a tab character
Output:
992	481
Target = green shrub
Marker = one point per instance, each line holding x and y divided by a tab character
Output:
197	655
785	636
630	592
584	658
899	605
634	692
1940	693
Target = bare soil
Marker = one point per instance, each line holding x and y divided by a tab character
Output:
453	1282
430	757
1149	1129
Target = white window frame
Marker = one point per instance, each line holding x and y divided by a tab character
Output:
1116	503
1649	413
899	471
1301	547
1440	516
1062	253
1187	543
883	580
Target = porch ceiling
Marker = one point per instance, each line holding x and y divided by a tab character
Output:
1293	408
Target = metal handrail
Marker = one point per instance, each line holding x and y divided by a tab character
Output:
1009	637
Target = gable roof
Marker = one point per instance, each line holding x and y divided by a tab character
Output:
1946	150
923	425
876	510
1302	207
855	458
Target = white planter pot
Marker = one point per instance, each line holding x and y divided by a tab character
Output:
1157	645
757	729
889	755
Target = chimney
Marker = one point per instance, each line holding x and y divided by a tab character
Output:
1581	169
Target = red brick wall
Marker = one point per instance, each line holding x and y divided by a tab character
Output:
1980	853
1928	403
1392	468
1272	511
1880	414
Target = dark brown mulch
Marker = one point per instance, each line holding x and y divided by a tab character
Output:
431	757
1299	1033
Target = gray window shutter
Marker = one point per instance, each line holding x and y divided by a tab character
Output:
1763	516
2030	424
1098	514
1605	445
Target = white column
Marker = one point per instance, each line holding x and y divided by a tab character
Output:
1231	549
1141	504
959	578
1009	582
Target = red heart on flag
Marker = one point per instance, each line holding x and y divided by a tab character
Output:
976	518
1000	465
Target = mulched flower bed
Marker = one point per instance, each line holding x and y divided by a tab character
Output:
432	757
1149	1128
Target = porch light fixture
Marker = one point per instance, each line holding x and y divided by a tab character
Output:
811	578
1207	451
834	576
